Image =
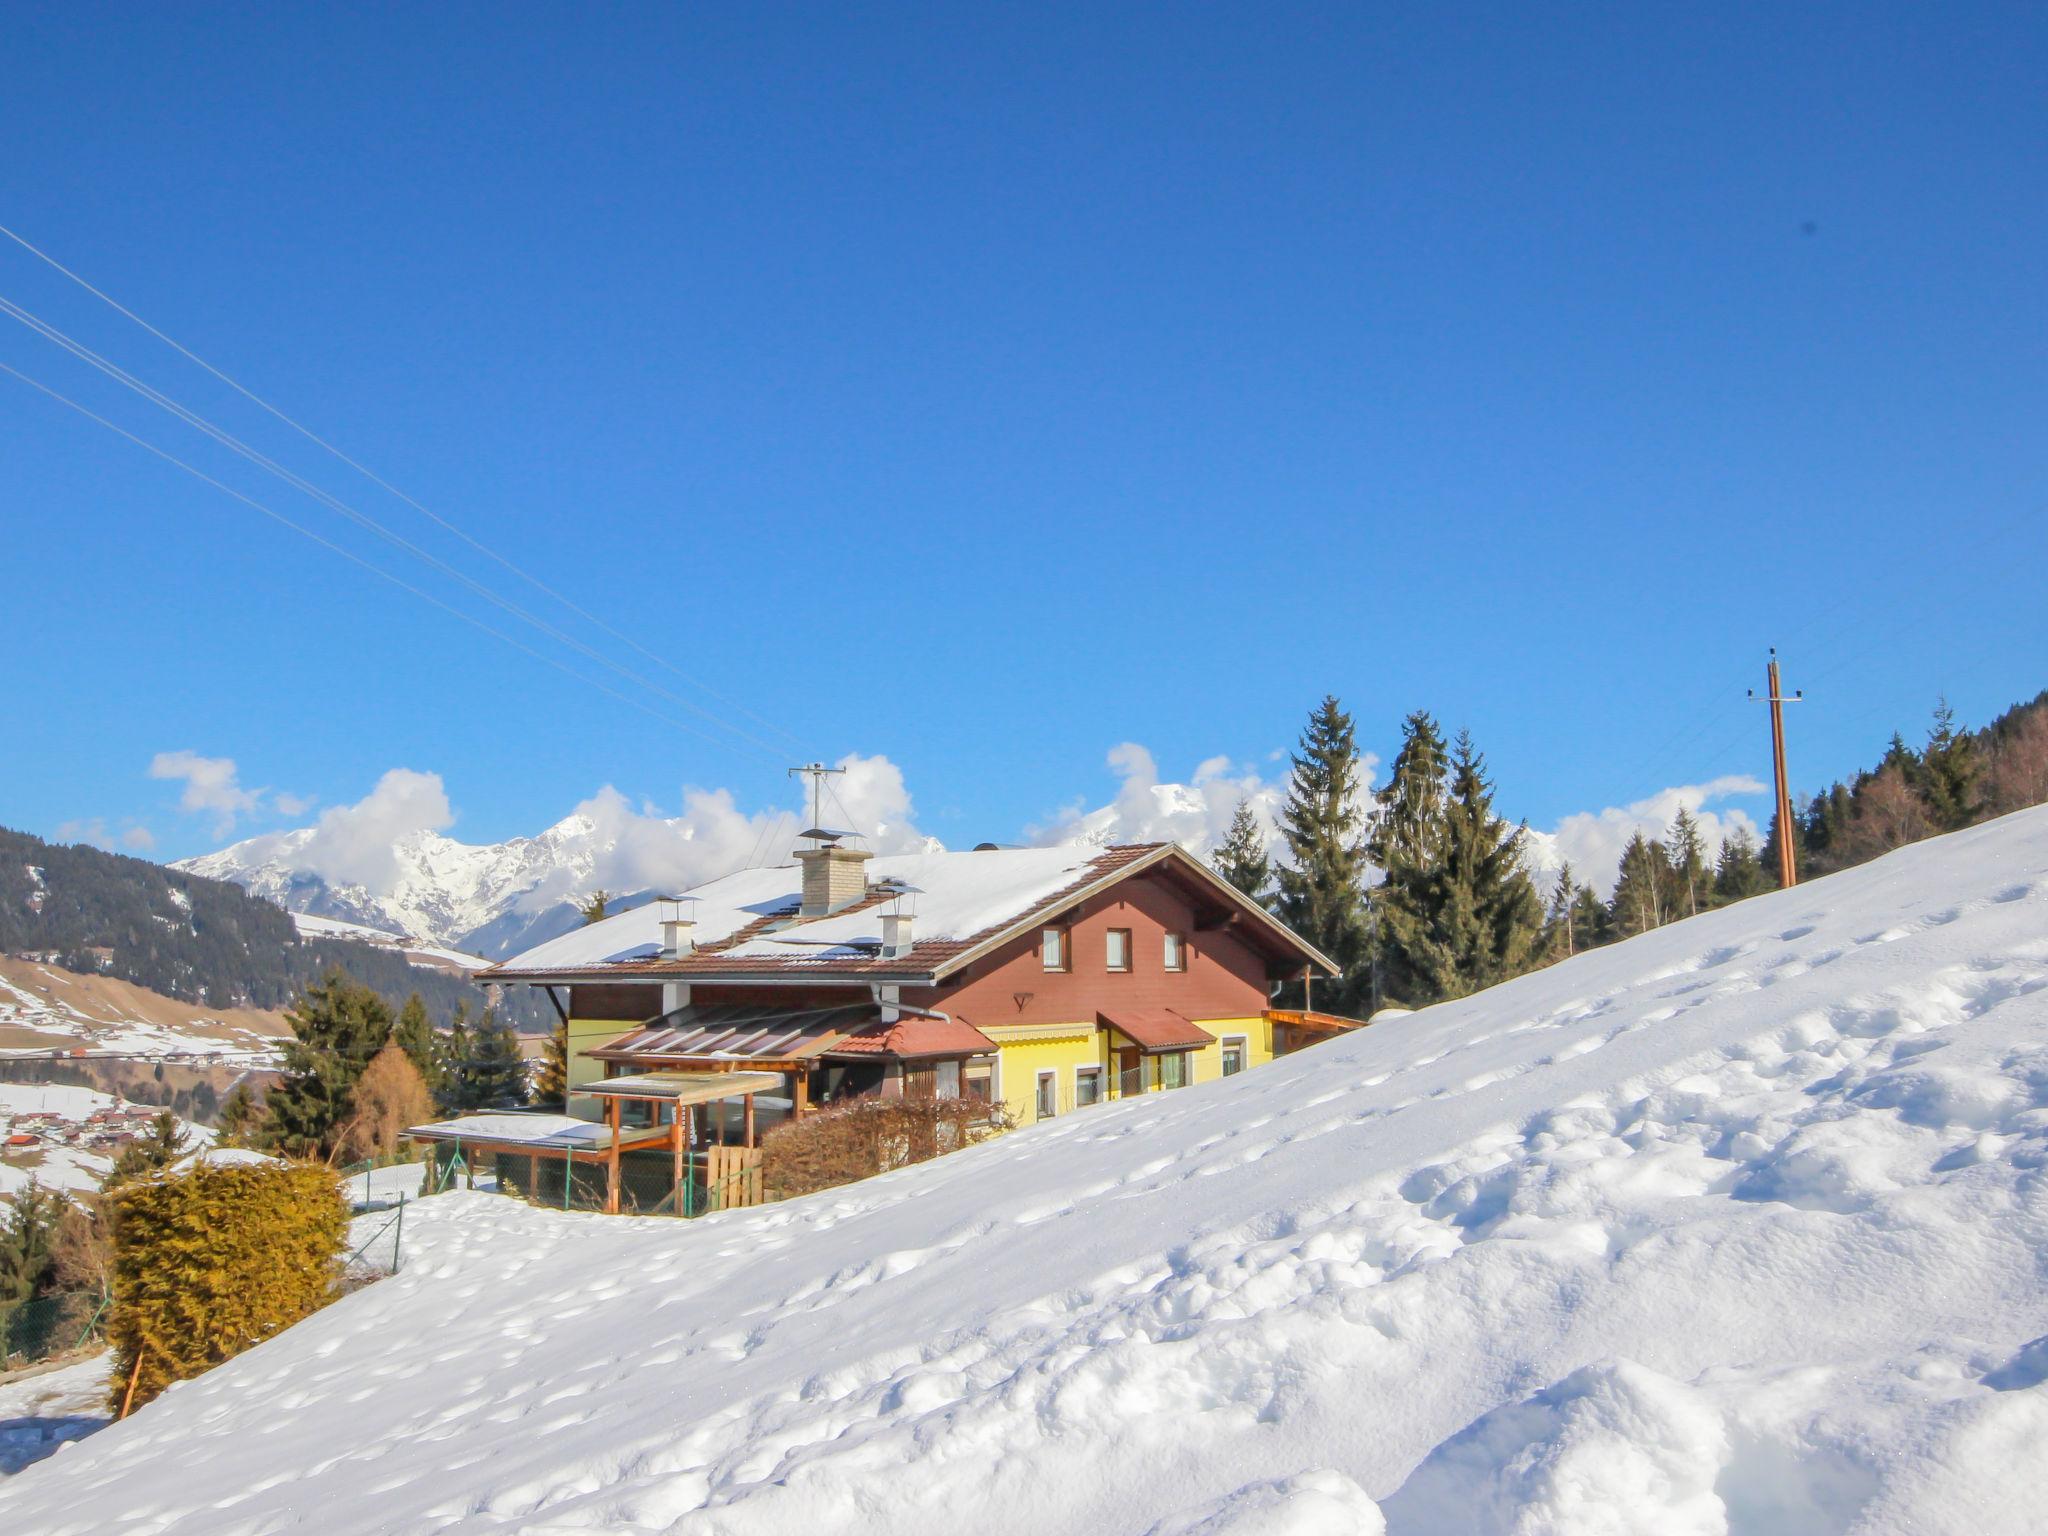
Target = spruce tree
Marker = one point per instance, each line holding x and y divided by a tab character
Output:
1408	847
149	1154
551	1077
1637	905
239	1122
1590	925
1738	872
1561	936
1322	884
498	1065
337	1027
1690	882
597	908
1949	771
26	1256
451	1078
1478	917
1241	857
414	1034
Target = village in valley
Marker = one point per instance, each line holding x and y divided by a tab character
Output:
1087	771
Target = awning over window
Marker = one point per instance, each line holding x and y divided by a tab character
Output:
1155	1030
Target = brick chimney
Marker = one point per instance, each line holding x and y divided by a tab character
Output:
833	876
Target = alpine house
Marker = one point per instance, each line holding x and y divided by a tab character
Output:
1042	979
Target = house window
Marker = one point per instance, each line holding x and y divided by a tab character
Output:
978	1079
1048	1094
946	1080
1233	1055
1119	949
1173	1070
1176	952
1052	948
1087	1086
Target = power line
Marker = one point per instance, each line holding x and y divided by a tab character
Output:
356	559
317	493
385	485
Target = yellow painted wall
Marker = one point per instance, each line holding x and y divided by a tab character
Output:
1028	1050
586	1035
1258	1044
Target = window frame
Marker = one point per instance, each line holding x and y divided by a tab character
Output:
1243	1046
1173	952
1184	1069
1093	1074
1046	1075
1065	937
1109	938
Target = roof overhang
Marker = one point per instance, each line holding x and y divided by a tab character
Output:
684	1087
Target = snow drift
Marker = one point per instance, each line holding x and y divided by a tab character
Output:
1740	1226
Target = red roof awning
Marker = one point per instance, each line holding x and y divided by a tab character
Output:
913	1038
1153	1030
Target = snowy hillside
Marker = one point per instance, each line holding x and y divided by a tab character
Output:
1740	1226
456	961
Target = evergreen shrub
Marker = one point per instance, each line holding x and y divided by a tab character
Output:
214	1260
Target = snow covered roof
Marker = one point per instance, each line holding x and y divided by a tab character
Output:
960	904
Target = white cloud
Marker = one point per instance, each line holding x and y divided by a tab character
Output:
138	839
211	784
1592	841
293	805
1195	812
352	844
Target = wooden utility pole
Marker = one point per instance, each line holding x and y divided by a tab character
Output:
1788	864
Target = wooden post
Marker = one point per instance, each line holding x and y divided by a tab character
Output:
675	1139
611	1164
748	1102
800	1095
533	1178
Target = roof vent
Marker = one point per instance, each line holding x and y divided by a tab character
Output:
678	925
895	935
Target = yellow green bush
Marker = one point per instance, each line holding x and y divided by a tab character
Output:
214	1260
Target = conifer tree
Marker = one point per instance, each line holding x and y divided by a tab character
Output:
1590	925
414	1034
1478	917
451	1077
151	1153
499	1080
1637	905
26	1240
597	908
1949	770
337	1027
1738	873
389	1097
239	1122
1407	845
1690	882
1322	884
1241	857
551	1077
1561	938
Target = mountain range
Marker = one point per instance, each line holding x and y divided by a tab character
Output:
490	899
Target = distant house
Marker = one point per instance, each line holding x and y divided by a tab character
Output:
1044	979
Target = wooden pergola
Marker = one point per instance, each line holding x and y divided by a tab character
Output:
538	1136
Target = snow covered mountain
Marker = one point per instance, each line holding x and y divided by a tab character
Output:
490	899
1737	1227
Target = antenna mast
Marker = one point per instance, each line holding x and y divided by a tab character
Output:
817	774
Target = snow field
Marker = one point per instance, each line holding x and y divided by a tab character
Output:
1737	1227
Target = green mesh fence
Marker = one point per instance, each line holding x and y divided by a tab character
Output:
44	1326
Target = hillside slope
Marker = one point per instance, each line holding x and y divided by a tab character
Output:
45	1008
1739	1226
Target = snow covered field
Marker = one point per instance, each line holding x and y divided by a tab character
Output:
1741	1226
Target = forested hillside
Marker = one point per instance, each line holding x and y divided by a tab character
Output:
197	940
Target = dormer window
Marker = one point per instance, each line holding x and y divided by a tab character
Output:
1052	949
1118	952
1176	952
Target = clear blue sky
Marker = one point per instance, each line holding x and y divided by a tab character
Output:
985	386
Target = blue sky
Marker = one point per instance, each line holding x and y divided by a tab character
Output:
985	387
